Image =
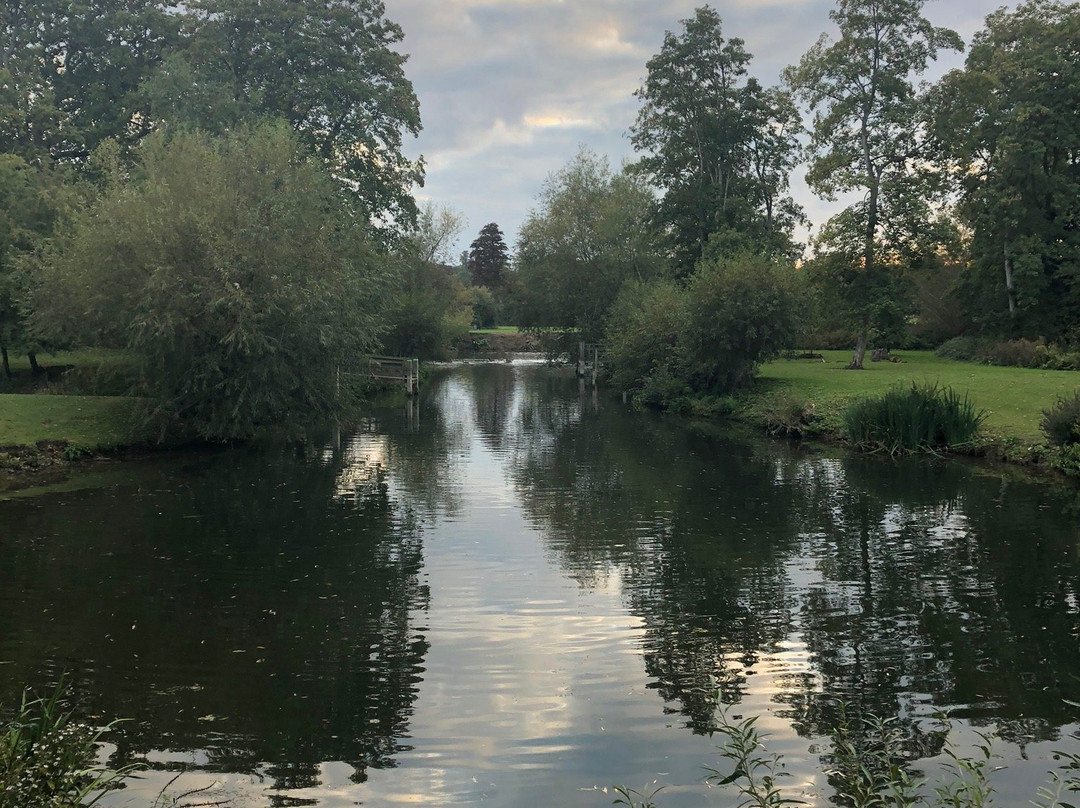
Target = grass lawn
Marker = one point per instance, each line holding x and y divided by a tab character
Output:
1013	397
90	422
500	329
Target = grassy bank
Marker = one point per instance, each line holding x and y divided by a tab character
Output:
92	423
1013	398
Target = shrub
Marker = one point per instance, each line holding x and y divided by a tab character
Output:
1061	422
788	416
642	337
233	270
1017	353
741	312
47	759
964	349
918	418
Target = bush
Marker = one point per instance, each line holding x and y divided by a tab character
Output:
964	349
1061	422
918	418
1018	353
741	312
642	339
233	270
47	759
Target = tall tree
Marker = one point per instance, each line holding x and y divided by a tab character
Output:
330	68
1009	131
71	73
587	236
488	258
865	136
716	143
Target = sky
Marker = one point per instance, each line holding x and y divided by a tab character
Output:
509	89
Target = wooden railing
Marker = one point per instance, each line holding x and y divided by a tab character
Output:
397	368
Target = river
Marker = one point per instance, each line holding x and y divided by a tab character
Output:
517	593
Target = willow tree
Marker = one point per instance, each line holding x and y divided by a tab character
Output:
232	272
866	136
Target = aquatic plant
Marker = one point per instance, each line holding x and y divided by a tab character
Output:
868	768
48	760
915	418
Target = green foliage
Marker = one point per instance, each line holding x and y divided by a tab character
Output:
232	270
718	145
47	759
485	310
488	258
740	312
1061	422
666	341
915	418
965	349
586	238
755	773
866	139
868	769
1007	134
333	70
1024	353
642	343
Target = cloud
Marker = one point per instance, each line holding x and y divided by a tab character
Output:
509	89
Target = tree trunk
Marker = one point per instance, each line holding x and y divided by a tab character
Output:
1009	286
35	368
7	364
860	351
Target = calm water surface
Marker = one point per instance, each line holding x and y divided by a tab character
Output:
517	595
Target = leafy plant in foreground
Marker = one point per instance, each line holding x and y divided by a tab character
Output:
47	760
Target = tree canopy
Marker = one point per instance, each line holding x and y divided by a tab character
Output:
1010	137
489	257
718	145
233	272
587	236
866	135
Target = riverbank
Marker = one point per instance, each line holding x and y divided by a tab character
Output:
807	398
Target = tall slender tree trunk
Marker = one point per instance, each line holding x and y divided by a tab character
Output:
7	363
1010	288
35	368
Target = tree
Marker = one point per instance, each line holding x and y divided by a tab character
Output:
865	136
587	236
31	201
331	69
232	271
72	70
718	145
488	257
431	308
1010	137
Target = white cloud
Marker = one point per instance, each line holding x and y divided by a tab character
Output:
508	89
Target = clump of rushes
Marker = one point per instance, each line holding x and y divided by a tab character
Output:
915	418
47	760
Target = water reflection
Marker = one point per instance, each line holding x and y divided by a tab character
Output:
250	611
895	587
518	590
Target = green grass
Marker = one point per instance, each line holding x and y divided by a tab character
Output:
500	329
88	422
1013	398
